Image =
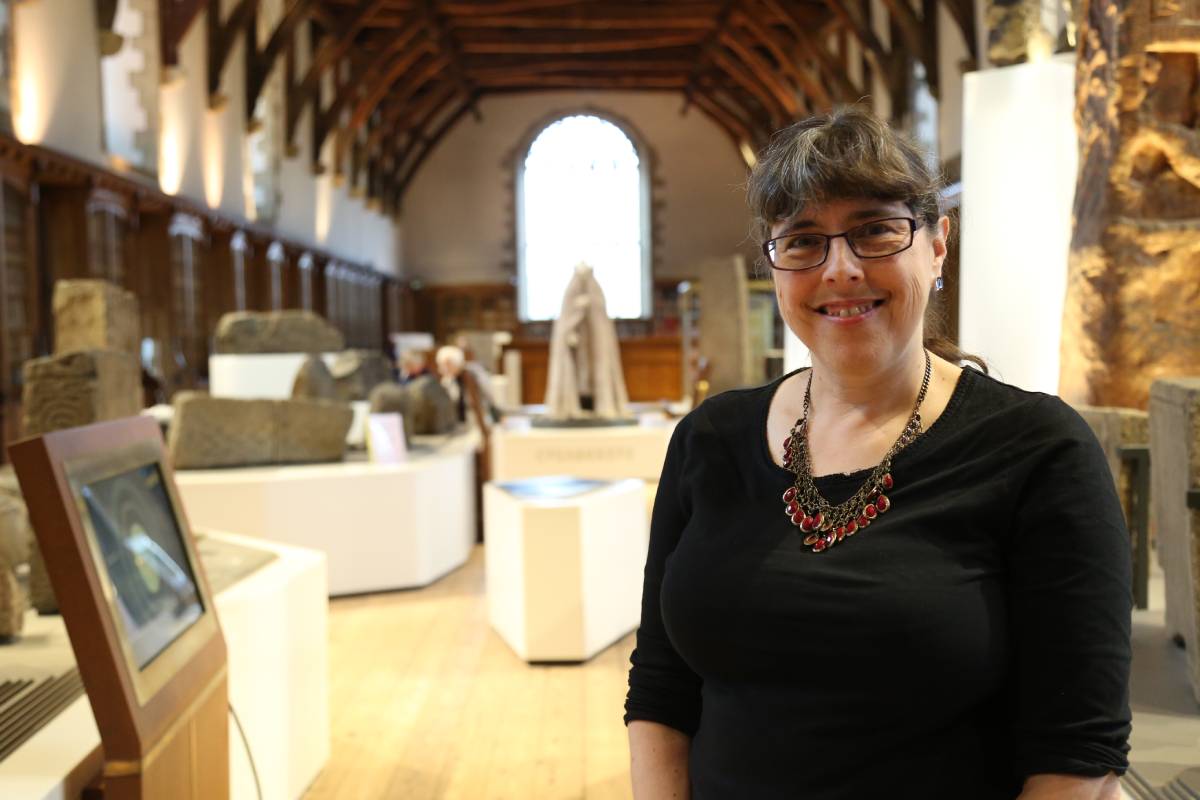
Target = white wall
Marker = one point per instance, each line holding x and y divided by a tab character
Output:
1019	164
201	151
458	213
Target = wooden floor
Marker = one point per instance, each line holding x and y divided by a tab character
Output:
428	702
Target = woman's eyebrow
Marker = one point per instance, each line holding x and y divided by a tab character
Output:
866	213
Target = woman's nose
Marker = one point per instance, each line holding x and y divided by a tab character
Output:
841	264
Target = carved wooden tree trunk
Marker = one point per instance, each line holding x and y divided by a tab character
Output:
1134	276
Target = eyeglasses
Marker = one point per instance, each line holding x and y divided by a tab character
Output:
876	239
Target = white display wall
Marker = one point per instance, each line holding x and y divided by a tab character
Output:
1018	174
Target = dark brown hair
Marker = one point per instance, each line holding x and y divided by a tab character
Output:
849	153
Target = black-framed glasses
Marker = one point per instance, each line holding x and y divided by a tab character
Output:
878	238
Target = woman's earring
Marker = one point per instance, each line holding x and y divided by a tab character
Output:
939	284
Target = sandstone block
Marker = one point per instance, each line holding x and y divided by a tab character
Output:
1116	428
313	381
12	604
95	315
225	432
1174	469
357	372
78	389
290	331
426	406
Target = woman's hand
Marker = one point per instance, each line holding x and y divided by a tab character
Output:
1071	787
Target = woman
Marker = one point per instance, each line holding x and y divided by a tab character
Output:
885	576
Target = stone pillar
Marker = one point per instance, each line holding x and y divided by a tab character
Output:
1134	270
1175	468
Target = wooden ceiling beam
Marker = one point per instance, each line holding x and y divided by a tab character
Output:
222	34
422	152
424	110
489	43
175	17
765	74
915	34
466	9
572	82
801	74
878	56
331	50
844	89
452	50
751	84
422	74
260	63
541	67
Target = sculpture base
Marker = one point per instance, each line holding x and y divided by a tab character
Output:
581	422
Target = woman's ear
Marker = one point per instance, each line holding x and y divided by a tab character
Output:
940	235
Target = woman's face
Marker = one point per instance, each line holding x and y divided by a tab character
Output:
850	311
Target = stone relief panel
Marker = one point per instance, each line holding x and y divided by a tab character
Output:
129	82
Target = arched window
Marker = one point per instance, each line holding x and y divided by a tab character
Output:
582	196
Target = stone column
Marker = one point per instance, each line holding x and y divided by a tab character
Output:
1134	270
1174	469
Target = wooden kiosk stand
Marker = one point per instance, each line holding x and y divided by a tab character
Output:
136	604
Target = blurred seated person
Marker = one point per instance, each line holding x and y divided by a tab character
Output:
454	369
413	364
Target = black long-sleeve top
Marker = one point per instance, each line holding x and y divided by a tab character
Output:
975	634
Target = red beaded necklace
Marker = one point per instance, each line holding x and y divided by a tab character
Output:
824	525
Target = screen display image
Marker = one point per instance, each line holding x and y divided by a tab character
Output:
146	559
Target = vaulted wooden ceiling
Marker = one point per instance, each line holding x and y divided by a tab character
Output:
388	78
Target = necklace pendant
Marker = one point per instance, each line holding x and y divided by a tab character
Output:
882	503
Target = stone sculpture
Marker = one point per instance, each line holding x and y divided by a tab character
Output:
313	381
79	388
290	331
15	544
357	372
585	359
423	401
1174	469
95	315
1129	315
725	323
225	432
1116	428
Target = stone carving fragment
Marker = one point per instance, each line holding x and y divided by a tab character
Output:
1116	428
95	315
357	372
1174	469
291	331
425	404
15	542
225	432
78	389
313	381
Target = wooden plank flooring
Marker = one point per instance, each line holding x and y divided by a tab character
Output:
428	702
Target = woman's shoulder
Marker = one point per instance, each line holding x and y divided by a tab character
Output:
1023	412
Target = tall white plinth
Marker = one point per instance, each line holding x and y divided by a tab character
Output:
382	526
564	564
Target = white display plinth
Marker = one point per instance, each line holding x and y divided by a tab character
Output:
274	623
608	453
564	574
382	526
256	376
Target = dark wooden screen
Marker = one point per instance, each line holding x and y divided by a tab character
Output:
18	303
188	357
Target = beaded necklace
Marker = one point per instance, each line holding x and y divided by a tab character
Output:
824	525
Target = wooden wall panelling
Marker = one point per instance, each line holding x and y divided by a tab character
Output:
274	266
151	264
18	302
653	368
188	354
219	297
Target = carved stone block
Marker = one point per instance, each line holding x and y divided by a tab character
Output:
78	389
1116	428
290	331
357	372
313	381
426	406
310	430
15	542
95	315
225	432
1174	469
12	604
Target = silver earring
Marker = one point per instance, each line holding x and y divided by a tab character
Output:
938	285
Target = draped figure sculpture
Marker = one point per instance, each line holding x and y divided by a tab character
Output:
585	361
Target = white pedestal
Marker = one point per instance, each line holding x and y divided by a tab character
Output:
564	574
627	451
382	526
255	376
274	623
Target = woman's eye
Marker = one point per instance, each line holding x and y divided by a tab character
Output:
803	242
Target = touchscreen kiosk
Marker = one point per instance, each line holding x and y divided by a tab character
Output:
136	604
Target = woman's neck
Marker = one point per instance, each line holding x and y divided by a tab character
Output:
876	392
